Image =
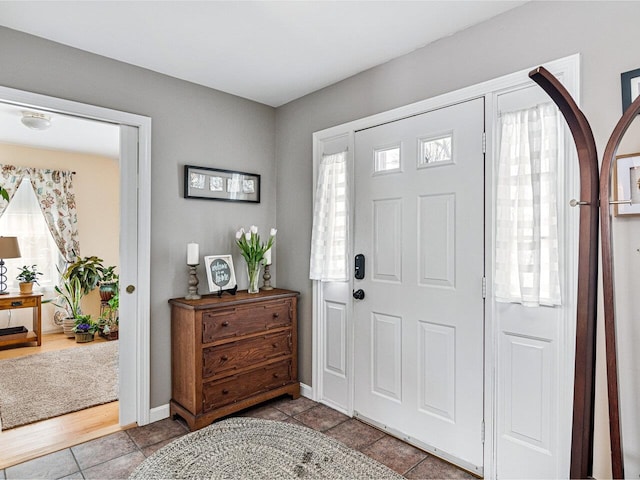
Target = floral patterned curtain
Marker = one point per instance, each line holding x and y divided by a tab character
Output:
10	178
54	190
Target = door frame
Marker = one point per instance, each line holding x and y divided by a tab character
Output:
135	342
568	69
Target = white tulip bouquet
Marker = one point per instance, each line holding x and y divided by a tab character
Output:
253	250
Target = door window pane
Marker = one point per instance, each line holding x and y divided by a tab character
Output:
387	159
435	150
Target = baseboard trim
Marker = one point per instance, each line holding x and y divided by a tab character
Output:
159	413
306	391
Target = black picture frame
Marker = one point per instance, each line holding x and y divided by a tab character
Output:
630	87
218	184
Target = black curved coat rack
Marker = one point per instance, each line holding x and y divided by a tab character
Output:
595	192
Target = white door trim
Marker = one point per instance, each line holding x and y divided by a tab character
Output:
135	377
568	65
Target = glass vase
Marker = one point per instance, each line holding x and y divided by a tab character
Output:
253	272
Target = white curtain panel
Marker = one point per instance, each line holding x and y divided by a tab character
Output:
330	221
23	218
527	262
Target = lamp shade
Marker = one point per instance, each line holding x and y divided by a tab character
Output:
9	247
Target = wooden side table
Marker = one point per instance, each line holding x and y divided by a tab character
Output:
19	300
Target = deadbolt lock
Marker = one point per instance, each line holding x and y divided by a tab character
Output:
130	288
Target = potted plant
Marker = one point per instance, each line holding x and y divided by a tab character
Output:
70	294
108	283
84	329
27	277
88	271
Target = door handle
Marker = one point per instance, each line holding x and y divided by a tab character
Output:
130	288
358	294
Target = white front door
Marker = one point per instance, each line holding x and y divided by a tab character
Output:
419	222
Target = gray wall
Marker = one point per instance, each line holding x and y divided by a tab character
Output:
190	125
605	33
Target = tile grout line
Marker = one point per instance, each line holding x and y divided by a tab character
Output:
73	455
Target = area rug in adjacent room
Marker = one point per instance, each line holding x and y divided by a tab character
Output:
256	449
46	385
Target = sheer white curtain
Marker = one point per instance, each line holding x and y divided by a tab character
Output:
527	262
22	218
330	221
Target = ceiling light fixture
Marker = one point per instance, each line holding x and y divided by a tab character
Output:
36	121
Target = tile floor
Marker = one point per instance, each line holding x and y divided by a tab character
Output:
117	455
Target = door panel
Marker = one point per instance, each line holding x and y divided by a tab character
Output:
334	329
436	244
419	221
387	240
386	356
533	415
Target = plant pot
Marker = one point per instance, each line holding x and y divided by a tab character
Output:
26	287
84	337
67	327
107	290
112	335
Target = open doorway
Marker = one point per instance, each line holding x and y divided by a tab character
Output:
132	173
89	150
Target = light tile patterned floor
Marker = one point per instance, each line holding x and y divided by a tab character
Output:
117	455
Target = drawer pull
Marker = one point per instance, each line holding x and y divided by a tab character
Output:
276	315
224	358
274	345
16	304
275	375
225	323
225	391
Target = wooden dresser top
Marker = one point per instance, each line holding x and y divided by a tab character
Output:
241	297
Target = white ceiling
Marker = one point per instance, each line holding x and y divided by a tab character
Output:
268	51
66	133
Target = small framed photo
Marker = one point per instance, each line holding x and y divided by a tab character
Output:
627	184
217	184
220	273
630	87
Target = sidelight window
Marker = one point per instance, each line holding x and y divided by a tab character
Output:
527	254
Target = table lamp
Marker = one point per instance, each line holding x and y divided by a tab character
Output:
9	248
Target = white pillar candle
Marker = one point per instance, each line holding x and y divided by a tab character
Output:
193	255
267	257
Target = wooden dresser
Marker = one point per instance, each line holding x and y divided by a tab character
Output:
232	352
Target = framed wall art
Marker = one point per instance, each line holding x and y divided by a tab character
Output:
217	184
626	187
220	273
630	87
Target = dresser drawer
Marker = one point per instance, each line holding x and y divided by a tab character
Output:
244	353
23	302
237	387
243	320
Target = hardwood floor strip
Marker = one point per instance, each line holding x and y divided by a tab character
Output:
30	441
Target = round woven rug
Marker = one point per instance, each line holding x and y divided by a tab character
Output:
251	448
